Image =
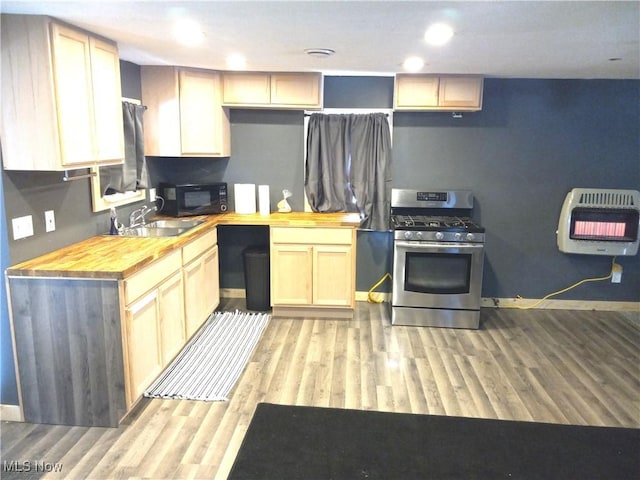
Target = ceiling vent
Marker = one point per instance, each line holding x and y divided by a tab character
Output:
319	52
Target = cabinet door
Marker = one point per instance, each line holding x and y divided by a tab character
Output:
194	300
413	92
291	274
246	89
211	280
333	275
107	102
463	92
171	325
144	361
72	82
162	119
202	119
296	89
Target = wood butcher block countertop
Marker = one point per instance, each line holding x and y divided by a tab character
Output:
115	257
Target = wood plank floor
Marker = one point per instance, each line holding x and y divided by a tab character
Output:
571	367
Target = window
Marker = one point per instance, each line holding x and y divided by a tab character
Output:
352	207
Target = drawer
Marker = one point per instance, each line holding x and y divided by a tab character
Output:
330	236
152	275
198	246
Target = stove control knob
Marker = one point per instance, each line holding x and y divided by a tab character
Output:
439	235
458	236
470	236
419	235
407	235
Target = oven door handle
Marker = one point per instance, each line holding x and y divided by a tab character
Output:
437	245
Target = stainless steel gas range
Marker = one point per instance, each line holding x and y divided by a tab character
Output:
438	256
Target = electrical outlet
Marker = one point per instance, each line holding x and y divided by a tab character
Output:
49	221
616	273
22	227
152	194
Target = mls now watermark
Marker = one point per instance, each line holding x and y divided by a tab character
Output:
30	466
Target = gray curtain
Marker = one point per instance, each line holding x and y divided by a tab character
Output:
349	159
327	167
132	174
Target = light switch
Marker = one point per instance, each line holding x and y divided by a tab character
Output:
22	227
49	221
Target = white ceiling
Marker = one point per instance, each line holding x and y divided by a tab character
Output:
518	39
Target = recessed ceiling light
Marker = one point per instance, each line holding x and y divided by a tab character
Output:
236	61
319	52
438	34
188	32
413	64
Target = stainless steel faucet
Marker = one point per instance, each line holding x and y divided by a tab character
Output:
137	217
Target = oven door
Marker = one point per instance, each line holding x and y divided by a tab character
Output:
437	275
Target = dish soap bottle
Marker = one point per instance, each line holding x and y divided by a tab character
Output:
114	222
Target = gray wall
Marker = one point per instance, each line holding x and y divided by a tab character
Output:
533	141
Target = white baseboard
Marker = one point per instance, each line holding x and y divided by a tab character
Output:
11	413
382	296
360	296
561	304
491	302
233	292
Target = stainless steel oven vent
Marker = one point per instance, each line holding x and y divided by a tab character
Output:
596	221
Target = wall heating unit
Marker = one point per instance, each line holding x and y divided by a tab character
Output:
599	222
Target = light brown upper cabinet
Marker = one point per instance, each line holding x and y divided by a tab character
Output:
433	92
272	90
184	116
61	96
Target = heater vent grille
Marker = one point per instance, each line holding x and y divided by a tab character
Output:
607	198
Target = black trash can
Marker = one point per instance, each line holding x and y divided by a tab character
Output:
256	278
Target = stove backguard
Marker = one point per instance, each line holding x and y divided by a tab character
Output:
600	222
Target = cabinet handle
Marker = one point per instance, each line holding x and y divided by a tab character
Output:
140	304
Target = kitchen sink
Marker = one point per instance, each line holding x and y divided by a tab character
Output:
161	228
173	223
145	231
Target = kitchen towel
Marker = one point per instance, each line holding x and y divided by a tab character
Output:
245	197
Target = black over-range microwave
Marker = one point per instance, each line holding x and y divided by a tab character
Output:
193	199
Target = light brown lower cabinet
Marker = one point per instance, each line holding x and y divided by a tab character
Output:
154	333
143	356
201	280
313	268
201	289
177	294
153	315
171	322
87	348
291	274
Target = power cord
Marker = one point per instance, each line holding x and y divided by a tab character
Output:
585	280
370	297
